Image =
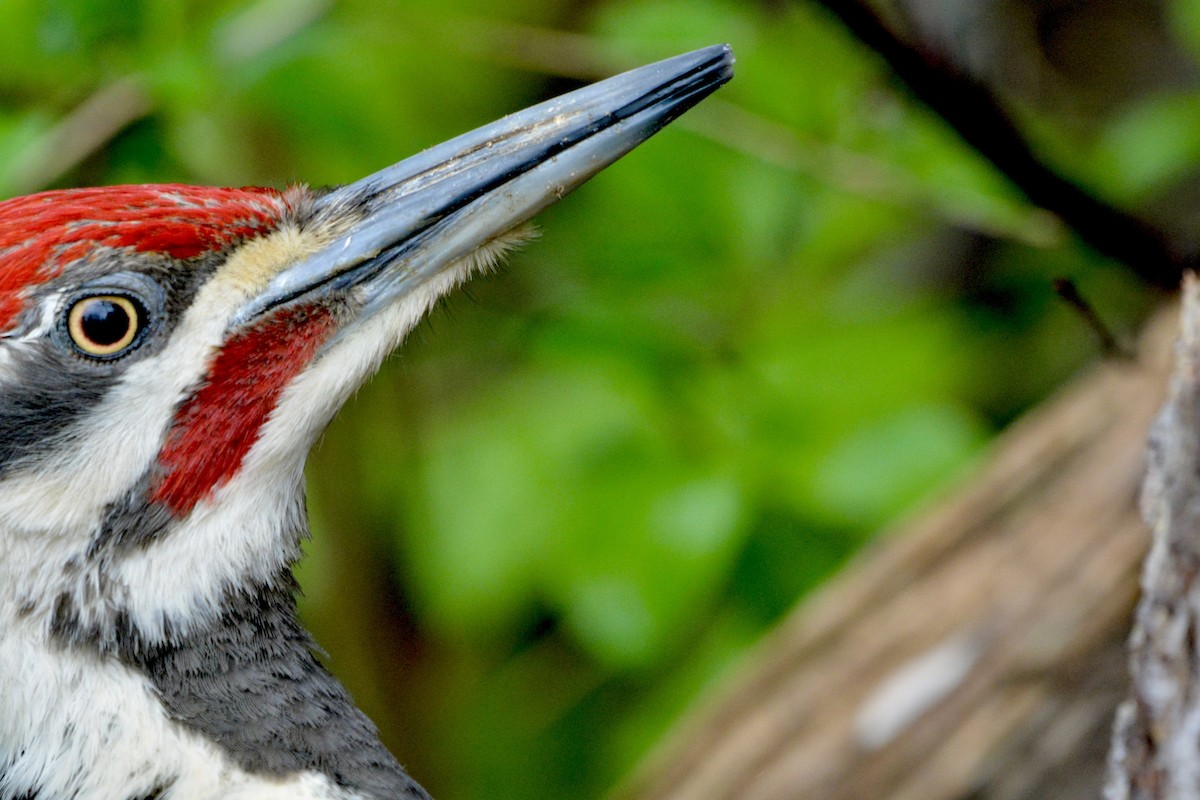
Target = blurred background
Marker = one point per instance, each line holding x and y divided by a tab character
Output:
589	483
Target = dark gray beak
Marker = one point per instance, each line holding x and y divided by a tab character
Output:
413	219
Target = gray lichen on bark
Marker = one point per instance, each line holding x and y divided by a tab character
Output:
1156	737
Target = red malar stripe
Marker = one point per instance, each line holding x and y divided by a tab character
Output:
215	429
41	234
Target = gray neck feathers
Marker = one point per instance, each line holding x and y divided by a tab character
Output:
250	682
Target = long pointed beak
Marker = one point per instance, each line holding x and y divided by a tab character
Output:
416	217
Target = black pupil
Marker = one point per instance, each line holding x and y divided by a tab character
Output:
104	322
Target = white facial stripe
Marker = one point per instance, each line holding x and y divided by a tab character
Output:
47	318
9	344
180	577
246	531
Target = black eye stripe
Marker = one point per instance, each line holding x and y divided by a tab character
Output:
51	391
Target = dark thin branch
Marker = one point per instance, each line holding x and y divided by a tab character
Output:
1066	289
973	110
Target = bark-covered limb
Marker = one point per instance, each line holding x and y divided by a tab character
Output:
1156	741
973	110
978	652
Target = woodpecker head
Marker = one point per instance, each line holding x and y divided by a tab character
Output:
168	354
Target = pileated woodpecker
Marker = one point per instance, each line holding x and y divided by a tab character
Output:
168	354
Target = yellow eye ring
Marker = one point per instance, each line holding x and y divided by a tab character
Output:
103	325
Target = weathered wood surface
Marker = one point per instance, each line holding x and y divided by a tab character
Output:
977	652
1156	743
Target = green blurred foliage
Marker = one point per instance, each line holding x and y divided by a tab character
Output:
592	481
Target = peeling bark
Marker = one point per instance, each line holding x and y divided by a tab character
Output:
1156	739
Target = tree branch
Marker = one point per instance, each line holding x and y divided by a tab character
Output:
976	652
974	111
1156	753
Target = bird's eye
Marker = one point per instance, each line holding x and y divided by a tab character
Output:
104	325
